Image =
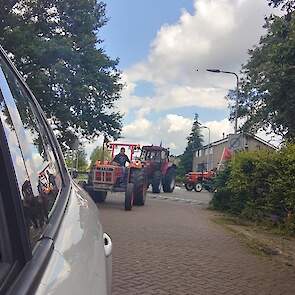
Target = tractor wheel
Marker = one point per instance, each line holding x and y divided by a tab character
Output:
156	182
198	187
189	186
138	178
98	196
169	181
129	196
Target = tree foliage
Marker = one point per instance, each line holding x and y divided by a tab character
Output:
98	154
194	143
268	88
286	5
71	160
259	186
55	45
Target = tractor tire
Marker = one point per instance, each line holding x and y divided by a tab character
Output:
98	196
156	182
138	178
169	181
189	186
129	196
198	187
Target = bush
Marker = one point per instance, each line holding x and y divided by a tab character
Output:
222	197
259	186
180	179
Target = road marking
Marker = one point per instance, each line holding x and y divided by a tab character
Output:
175	199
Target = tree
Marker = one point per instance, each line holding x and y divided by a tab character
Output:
82	160
55	45
194	143
287	5
268	87
98	154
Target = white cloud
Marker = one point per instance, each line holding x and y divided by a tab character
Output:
217	34
218	129
172	130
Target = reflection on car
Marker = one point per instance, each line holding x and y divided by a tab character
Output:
51	234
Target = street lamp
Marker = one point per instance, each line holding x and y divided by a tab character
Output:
238	92
209	141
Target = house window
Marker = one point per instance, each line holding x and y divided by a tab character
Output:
198	153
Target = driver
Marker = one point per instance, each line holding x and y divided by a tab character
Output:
121	159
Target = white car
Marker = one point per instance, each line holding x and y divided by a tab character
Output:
51	240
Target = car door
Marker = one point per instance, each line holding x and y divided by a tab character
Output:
47	204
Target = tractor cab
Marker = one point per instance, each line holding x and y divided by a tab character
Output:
154	153
160	171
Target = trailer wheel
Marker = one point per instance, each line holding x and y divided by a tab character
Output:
129	196
189	186
198	187
98	196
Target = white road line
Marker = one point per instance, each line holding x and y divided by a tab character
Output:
175	199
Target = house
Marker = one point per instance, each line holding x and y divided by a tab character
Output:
209	157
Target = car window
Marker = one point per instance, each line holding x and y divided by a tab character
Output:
35	165
5	246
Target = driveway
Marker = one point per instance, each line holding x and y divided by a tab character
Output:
172	247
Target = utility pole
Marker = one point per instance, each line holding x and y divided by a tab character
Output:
237	94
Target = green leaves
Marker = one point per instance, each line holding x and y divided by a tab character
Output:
286	5
259	185
195	142
98	154
268	85
55	45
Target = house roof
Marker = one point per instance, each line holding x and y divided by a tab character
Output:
247	134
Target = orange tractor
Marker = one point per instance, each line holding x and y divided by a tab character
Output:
107	176
199	180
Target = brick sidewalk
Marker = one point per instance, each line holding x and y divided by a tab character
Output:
173	248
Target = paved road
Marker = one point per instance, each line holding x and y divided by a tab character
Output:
181	194
172	247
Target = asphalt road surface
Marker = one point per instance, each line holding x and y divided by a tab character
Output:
182	195
170	246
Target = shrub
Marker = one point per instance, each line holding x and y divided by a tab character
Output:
259	186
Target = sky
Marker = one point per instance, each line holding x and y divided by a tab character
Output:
165	47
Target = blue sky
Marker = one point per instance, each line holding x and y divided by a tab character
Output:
133	24
160	44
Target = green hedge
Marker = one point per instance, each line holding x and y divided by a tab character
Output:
259	186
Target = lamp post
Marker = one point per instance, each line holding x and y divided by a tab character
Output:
238	93
209	141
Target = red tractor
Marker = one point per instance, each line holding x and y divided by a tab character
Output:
159	170
107	176
198	180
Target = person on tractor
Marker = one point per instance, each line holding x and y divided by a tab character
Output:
121	159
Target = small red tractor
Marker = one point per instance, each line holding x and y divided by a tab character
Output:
199	180
106	176
159	170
